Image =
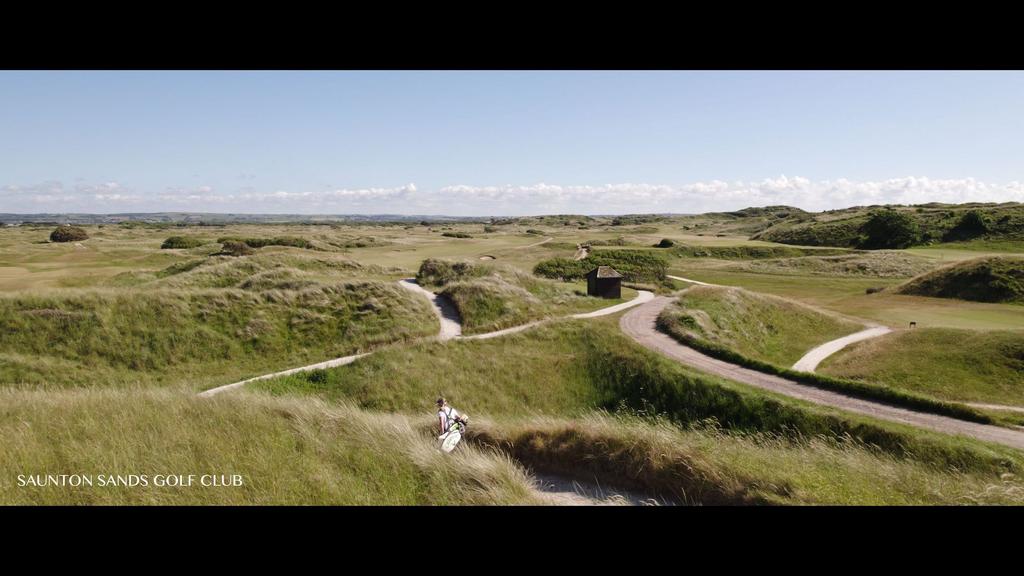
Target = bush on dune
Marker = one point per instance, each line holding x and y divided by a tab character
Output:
276	241
634	265
179	242
68	234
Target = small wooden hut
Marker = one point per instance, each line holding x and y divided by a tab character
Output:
605	282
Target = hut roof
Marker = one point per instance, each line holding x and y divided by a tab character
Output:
605	272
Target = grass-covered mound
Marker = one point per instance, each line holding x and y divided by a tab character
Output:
752	252
634	265
957	365
275	241
68	233
101	337
179	242
759	326
491	296
262	271
993	279
536	395
287	451
876	264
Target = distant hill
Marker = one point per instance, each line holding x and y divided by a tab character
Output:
214	218
933	223
993	279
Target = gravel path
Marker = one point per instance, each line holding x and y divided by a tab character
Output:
639	324
811	360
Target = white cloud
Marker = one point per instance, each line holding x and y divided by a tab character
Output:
509	199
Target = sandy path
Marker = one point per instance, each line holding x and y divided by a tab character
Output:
639	324
451	324
581	253
697	282
319	366
571	492
544	241
996	407
811	360
642	296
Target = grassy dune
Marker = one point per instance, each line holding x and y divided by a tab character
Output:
959	365
766	328
991	279
201	335
287	451
878	264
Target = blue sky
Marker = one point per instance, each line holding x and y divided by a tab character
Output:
497	143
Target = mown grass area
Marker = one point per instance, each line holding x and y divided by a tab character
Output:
494	296
164	335
991	279
287	451
763	327
957	365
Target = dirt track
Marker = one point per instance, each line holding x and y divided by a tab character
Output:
639	324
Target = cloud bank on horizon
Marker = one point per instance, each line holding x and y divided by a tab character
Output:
508	200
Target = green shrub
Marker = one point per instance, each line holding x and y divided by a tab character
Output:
456	235
68	234
175	242
665	243
971	225
535	231
890	229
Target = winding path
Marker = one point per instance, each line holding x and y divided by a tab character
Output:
451	329
639	324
